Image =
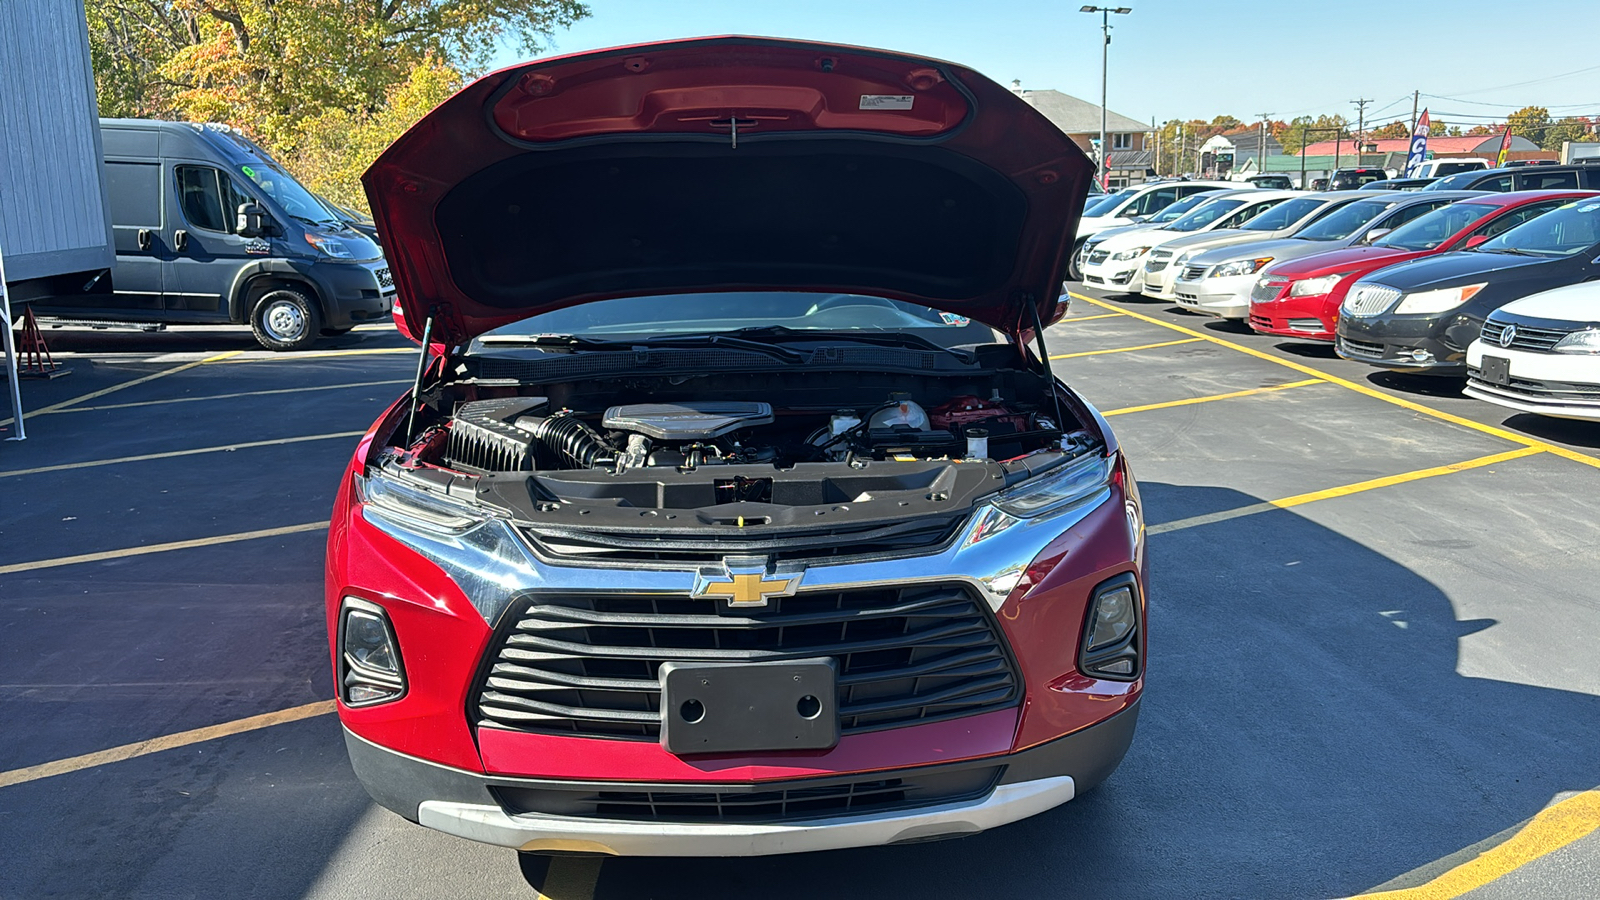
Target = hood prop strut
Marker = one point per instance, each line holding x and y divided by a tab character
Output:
1044	360
422	368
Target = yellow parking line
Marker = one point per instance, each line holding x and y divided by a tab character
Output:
35	565
1124	349
1088	318
1501	433
221	448
1555	827
126	384
165	742
1343	491
1228	396
233	396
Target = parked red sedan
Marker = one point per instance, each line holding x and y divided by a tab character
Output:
1300	298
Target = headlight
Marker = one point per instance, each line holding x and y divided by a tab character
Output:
1579	342
1437	301
1241	267
1061	487
369	657
1110	647
1133	253
1316	287
330	246
415	506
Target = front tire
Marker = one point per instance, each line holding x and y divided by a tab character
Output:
1073	272
286	319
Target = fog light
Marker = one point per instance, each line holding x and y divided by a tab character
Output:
369	656
1422	356
1110	647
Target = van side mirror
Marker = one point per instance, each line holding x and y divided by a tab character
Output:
1374	234
1475	240
252	220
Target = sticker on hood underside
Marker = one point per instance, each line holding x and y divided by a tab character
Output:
887	101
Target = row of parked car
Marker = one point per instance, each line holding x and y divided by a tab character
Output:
1492	283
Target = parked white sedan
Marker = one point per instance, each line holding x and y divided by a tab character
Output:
1541	354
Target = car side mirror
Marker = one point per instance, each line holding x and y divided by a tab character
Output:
1374	234
1475	240
252	220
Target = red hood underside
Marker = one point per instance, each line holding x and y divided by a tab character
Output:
728	164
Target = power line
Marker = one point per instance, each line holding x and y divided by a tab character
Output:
1502	87
1507	105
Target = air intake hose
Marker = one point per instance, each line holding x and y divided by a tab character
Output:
574	442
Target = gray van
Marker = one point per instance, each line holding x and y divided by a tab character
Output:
210	229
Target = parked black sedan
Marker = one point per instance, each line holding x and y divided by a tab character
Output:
1420	316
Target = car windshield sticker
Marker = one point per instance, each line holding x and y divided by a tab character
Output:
1590	207
248	172
887	101
953	319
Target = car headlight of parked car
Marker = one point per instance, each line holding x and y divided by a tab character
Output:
1438	301
1131	253
330	246
1241	267
1316	287
1579	342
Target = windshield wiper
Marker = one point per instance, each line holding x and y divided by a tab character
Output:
876	338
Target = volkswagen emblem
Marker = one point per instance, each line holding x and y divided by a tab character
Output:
1508	334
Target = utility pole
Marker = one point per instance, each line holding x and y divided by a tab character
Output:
1303	156
1156	136
1414	96
1361	126
1105	48
1261	144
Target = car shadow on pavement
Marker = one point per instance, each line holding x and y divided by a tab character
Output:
198	340
1425	385
1562	431
1304	733
1308	349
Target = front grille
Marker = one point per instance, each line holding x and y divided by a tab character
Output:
786	801
1535	390
1155	265
587	664
1311	325
1370	299
1193	273
1360	349
1525	337
1266	291
1260	321
621	547
1099	256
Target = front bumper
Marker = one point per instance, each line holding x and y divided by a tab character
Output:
1115	275
353	293
1159	274
1311	317
1227	298
1548	384
1405	343
465	803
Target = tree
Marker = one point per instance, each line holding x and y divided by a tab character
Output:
1571	128
1437	128
1530	122
285	71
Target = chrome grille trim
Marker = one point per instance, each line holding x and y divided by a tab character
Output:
1370	299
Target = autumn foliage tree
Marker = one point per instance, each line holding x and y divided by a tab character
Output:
326	83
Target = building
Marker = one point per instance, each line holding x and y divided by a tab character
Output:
54	221
1319	160
1131	160
1236	151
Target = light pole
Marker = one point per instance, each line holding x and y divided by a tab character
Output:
1105	32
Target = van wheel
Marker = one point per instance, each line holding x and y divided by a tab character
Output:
286	319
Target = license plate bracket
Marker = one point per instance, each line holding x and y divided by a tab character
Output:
1495	369
749	707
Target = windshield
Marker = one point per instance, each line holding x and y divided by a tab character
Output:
1564	231
689	314
1207	213
1107	203
1433	228
1341	223
295	200
1284	214
1458	181
1177	210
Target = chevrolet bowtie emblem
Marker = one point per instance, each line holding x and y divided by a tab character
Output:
744	585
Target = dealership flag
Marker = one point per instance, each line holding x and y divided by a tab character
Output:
1505	148
1419	145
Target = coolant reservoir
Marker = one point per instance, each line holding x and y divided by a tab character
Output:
905	411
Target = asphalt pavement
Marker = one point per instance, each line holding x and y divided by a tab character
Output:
1372	655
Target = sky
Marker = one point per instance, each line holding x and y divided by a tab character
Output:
1183	59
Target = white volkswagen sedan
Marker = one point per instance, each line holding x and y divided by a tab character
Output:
1541	354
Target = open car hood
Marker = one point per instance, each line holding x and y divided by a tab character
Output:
729	163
